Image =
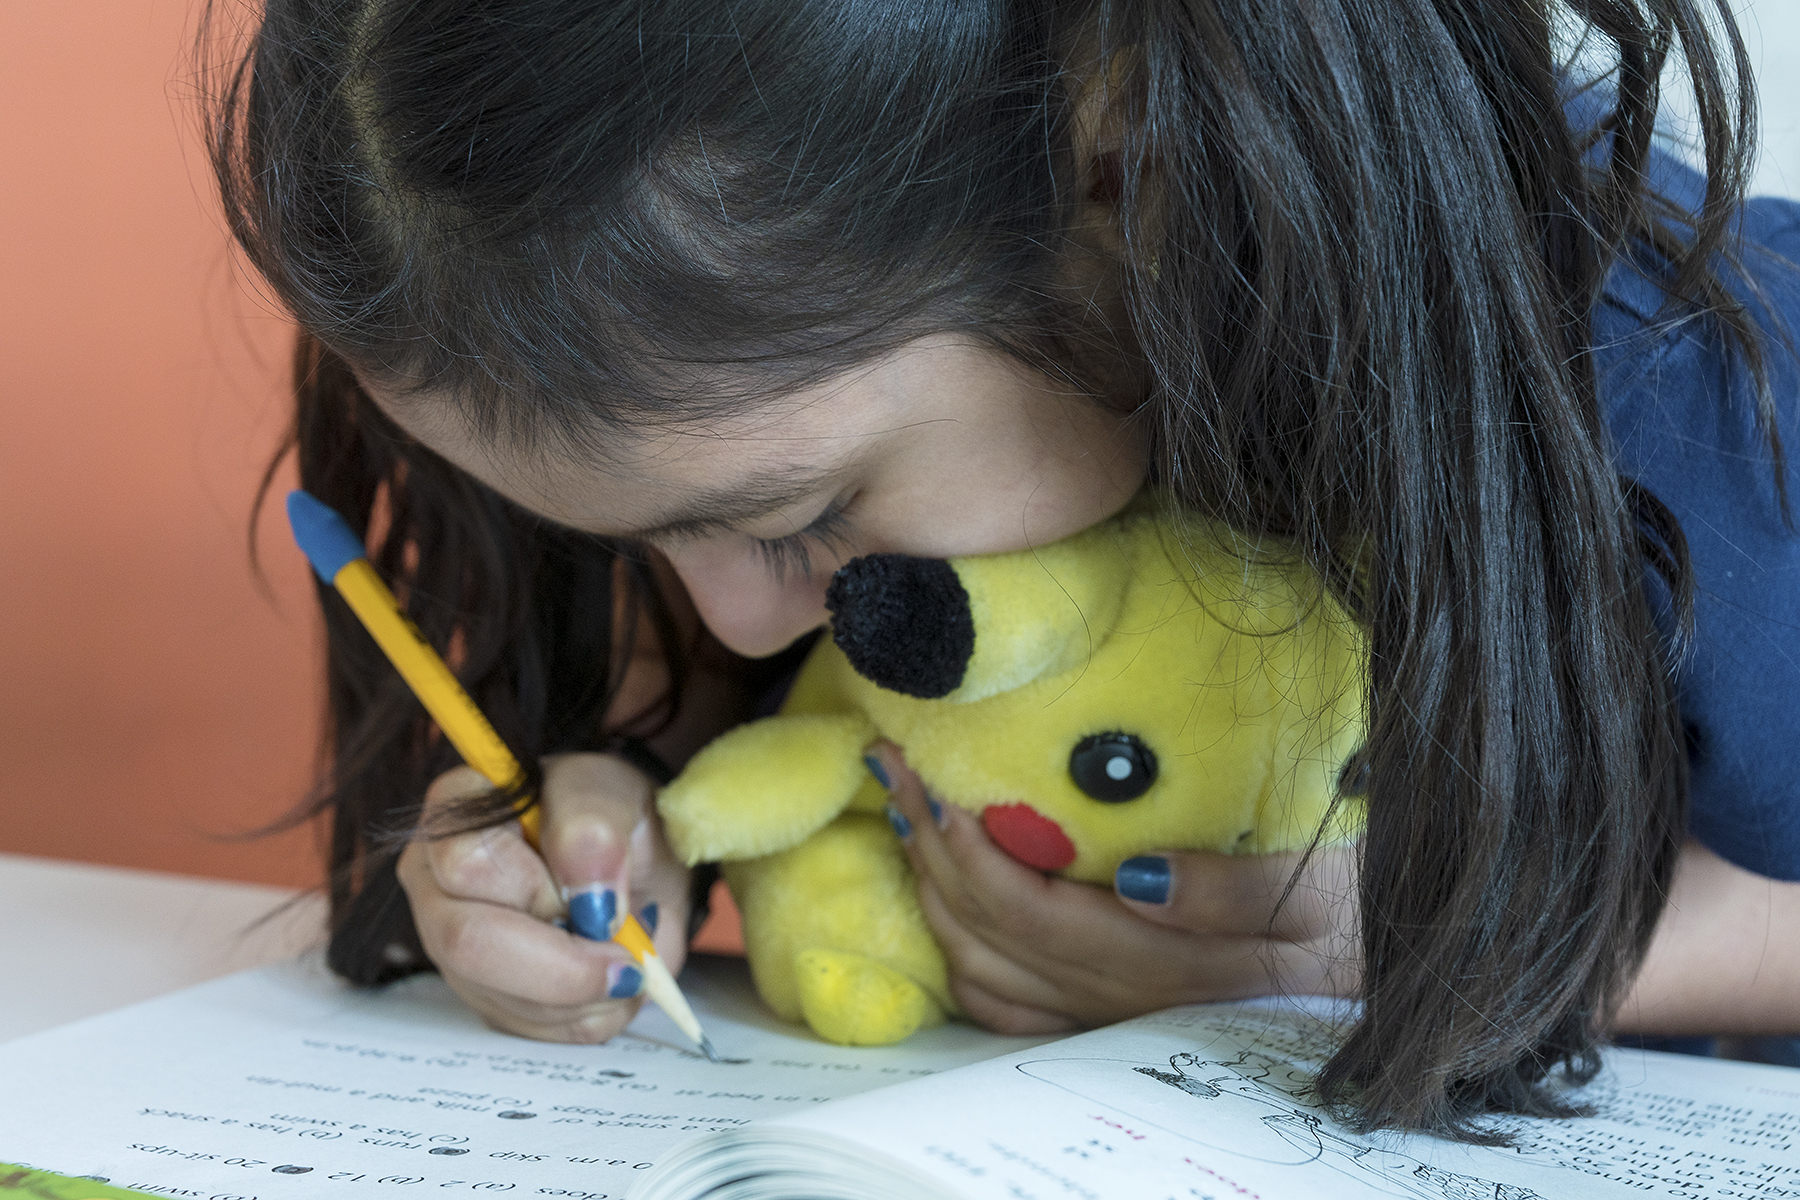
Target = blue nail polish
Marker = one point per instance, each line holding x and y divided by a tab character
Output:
592	914
1144	879
902	826
878	771
647	917
627	981
937	810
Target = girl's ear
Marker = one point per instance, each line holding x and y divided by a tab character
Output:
1105	179
1103	104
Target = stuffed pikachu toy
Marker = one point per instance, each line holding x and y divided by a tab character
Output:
1139	686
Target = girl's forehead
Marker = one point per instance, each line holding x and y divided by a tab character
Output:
774	452
657	480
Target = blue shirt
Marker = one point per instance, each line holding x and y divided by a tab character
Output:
1681	408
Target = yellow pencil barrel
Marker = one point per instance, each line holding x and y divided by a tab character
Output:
426	673
631	935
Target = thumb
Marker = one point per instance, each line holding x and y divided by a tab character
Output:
593	804
1240	895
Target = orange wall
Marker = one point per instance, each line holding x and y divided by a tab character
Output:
152	702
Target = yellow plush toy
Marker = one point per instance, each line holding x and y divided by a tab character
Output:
1135	687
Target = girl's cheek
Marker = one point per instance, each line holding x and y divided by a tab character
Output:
748	609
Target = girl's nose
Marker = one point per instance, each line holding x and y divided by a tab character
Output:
751	610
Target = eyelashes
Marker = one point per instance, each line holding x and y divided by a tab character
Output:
793	554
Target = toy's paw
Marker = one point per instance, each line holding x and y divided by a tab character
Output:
765	786
855	1001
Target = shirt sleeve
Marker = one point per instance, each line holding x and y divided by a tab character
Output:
1682	410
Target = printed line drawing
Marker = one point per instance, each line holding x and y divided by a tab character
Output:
1285	1129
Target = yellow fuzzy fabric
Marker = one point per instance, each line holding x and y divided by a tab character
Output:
807	770
1243	677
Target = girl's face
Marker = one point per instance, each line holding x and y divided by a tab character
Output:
943	447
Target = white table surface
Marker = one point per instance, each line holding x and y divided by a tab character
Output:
78	939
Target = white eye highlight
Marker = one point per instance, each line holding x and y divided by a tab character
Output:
1112	767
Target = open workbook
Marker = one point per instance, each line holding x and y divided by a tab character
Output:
280	1083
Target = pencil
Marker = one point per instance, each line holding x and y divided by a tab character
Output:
339	558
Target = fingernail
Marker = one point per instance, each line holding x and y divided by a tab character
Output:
594	912
937	811
647	917
902	826
623	981
1144	879
877	770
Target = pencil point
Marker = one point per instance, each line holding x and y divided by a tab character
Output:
706	1048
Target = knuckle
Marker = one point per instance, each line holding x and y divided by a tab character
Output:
458	865
467	864
458	783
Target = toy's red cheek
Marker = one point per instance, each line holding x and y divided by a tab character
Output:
1028	835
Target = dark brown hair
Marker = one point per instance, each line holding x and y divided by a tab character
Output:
1364	240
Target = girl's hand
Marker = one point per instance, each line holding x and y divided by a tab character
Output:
483	902
1031	953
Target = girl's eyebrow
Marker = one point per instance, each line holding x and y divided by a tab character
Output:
711	510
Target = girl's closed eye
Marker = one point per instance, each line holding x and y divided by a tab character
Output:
792	553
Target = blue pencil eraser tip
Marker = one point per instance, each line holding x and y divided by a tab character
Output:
327	538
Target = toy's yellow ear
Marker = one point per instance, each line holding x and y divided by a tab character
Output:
964	629
765	786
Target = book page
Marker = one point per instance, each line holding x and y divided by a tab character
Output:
1214	1103
282	1082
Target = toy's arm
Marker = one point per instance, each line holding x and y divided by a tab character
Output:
765	786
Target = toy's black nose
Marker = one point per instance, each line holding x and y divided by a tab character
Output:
903	622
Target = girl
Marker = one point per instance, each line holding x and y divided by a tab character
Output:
627	323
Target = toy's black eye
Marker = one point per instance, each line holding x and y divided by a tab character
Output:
1113	767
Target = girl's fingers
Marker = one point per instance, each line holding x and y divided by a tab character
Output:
589	1024
1005	1016
928	829
976	961
1018	910
1180	927
1221	895
483	902
1245	895
1040	942
512	952
594	805
494	865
